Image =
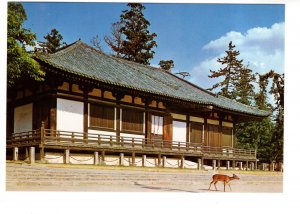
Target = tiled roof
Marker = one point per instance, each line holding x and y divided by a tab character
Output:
81	59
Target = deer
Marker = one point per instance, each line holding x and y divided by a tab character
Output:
225	178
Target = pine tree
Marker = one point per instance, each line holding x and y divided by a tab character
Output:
53	41
138	41
244	86
230	72
166	64
19	63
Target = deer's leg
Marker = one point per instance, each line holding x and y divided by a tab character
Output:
229	186
210	185
216	185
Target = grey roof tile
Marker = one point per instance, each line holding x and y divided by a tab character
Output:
83	60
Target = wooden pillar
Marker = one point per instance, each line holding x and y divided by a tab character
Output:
159	160
119	97
240	165
272	166
26	153
164	161
199	164
228	165
205	138
247	165
202	163
187	128
256	165
281	167
219	163
96	158
53	110
182	162
67	156
121	161
214	164
252	166
233	164
85	113
133	159
32	155
16	153
144	159
42	152
168	128
102	162
147	120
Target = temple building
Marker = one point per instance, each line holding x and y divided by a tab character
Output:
95	105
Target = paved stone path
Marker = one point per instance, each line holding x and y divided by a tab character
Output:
50	177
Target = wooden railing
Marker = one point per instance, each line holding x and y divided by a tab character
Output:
47	137
24	139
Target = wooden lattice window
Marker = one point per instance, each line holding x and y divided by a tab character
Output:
102	116
196	132
226	136
213	135
132	120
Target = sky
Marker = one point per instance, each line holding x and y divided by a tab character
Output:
193	35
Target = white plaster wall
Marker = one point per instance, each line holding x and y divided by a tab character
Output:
128	137
103	138
179	131
23	118
69	115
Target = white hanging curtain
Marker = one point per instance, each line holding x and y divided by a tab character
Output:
157	125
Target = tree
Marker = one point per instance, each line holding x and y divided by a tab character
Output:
277	90
261	96
244	86
53	41
19	62
166	64
230	72
138	41
96	42
115	41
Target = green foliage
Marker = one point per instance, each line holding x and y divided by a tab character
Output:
166	64
53	41
138	41
19	62
230	72
244	88
256	135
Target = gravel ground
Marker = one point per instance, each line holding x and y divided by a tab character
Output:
49	177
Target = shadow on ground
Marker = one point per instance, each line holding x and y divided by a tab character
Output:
161	188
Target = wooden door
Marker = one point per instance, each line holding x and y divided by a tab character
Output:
226	136
196	132
213	136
